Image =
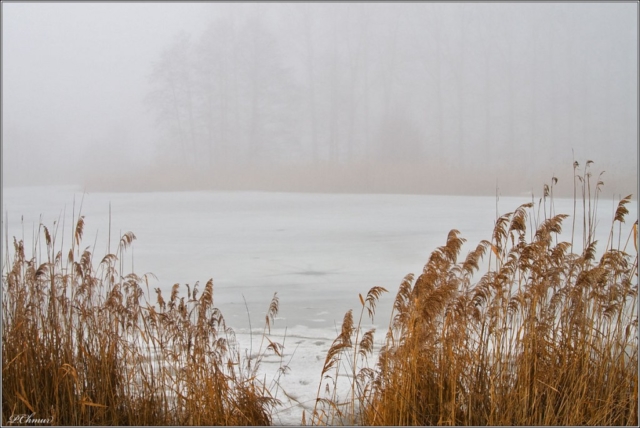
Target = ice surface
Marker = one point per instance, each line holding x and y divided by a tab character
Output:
317	251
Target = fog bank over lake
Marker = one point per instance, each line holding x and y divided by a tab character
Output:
423	98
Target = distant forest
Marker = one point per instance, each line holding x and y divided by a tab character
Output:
323	82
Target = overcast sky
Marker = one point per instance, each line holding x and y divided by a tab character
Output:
523	80
74	76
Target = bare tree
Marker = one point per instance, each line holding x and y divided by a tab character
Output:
172	98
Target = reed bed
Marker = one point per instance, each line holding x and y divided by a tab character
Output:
526	330
82	346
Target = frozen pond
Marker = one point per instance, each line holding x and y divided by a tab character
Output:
317	251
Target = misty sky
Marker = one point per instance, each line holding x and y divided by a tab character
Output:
467	84
74	78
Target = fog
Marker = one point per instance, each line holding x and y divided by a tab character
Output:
409	98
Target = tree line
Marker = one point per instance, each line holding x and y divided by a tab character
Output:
345	83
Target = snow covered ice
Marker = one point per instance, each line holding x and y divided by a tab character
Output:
317	251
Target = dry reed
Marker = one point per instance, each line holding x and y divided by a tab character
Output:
82	346
547	335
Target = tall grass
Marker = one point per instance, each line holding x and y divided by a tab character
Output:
82	346
546	335
527	329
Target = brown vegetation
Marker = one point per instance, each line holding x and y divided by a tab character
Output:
546	335
81	346
434	176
